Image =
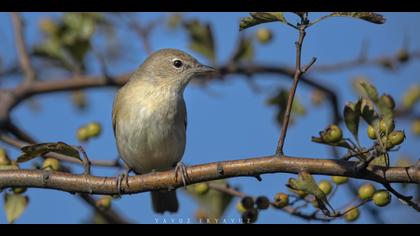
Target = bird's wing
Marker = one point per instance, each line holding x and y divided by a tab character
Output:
114	114
184	113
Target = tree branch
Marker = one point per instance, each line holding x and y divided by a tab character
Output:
11	98
201	173
24	59
297	75
394	59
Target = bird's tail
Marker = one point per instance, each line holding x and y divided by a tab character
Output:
164	200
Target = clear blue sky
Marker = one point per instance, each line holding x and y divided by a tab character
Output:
227	120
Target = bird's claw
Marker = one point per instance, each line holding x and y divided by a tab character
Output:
184	174
120	178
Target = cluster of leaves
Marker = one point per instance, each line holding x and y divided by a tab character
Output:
202	39
378	112
68	39
317	195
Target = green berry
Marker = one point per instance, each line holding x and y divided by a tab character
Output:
19	190
264	35
51	164
4	159
366	191
262	202
381	198
332	134
93	129
247	202
281	200
396	137
250	216
82	134
352	214
339	179
201	188
371	132
240	207
386	128
325	186
415	127
104	202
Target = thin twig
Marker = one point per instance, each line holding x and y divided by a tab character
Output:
24	59
298	73
405	199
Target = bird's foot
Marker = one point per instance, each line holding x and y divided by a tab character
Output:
184	174
120	178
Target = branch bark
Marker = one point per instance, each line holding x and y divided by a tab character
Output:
200	173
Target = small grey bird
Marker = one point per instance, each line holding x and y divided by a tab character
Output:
149	117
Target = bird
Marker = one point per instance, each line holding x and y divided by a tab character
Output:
149	117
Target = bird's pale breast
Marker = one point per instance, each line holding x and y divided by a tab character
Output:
150	130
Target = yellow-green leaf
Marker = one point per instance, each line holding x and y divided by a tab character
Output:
261	17
32	151
201	38
244	51
352	117
367	16
370	90
14	206
342	143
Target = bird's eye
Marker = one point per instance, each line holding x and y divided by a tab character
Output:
177	63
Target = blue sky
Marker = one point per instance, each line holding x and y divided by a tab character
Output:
227	120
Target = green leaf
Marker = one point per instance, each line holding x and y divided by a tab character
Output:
367	16
14	206
342	143
380	161
370	90
261	17
32	151
352	118
65	149
201	38
411	96
244	51
307	183
367	111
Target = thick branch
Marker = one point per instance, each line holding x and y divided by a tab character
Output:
200	173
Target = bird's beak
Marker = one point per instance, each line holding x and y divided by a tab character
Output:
205	69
